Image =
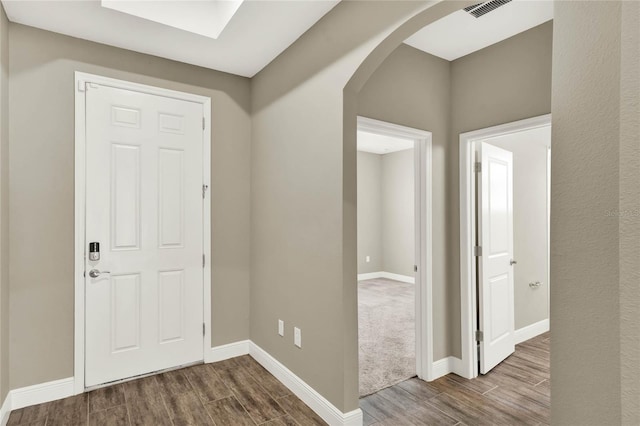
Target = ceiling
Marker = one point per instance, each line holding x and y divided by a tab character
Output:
255	34
378	144
460	33
242	37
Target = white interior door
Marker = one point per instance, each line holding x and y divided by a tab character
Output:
495	277
144	176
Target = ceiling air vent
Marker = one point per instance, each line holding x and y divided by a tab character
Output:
481	9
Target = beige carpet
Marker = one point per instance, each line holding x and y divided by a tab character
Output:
386	327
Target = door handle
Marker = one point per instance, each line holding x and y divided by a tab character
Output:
94	273
512	262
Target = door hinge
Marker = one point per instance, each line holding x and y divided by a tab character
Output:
203	260
203	328
477	251
478	167
415	268
203	121
204	190
479	336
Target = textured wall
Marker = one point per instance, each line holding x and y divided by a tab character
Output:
585	243
630	223
4	204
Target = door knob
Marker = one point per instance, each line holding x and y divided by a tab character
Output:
94	273
512	262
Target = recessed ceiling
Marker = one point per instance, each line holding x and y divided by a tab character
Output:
460	33
379	144
257	33
207	18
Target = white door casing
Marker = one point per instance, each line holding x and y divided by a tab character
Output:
468	232
495	272
144	205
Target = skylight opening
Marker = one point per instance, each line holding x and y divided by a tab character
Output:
207	18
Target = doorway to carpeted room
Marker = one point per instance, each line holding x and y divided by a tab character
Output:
386	318
387	249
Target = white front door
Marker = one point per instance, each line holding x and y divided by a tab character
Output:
144	176
495	275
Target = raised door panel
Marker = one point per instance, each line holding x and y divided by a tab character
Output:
495	292
125	312
171	306
125	197
171	198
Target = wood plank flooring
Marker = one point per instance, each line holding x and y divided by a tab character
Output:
516	392
238	391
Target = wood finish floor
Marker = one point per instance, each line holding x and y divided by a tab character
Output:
238	391
241	392
516	392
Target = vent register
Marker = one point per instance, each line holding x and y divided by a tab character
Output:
482	9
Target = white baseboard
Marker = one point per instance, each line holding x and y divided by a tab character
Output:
531	331
35	394
456	366
387	275
447	365
5	411
319	404
369	276
230	350
398	277
58	389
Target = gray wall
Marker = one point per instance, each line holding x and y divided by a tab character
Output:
506	82
398	223
595	226
300	106
369	212
530	222
304	197
386	212
629	225
4	204
412	88
42	185
418	90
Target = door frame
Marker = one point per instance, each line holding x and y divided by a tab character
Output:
468	296
80	81
423	235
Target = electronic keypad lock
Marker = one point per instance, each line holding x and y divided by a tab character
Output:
94	251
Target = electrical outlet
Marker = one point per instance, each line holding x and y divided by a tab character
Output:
281	327
367	259
297	337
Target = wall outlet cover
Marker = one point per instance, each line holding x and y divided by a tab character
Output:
297	337
281	327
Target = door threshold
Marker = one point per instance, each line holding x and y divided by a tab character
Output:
141	376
